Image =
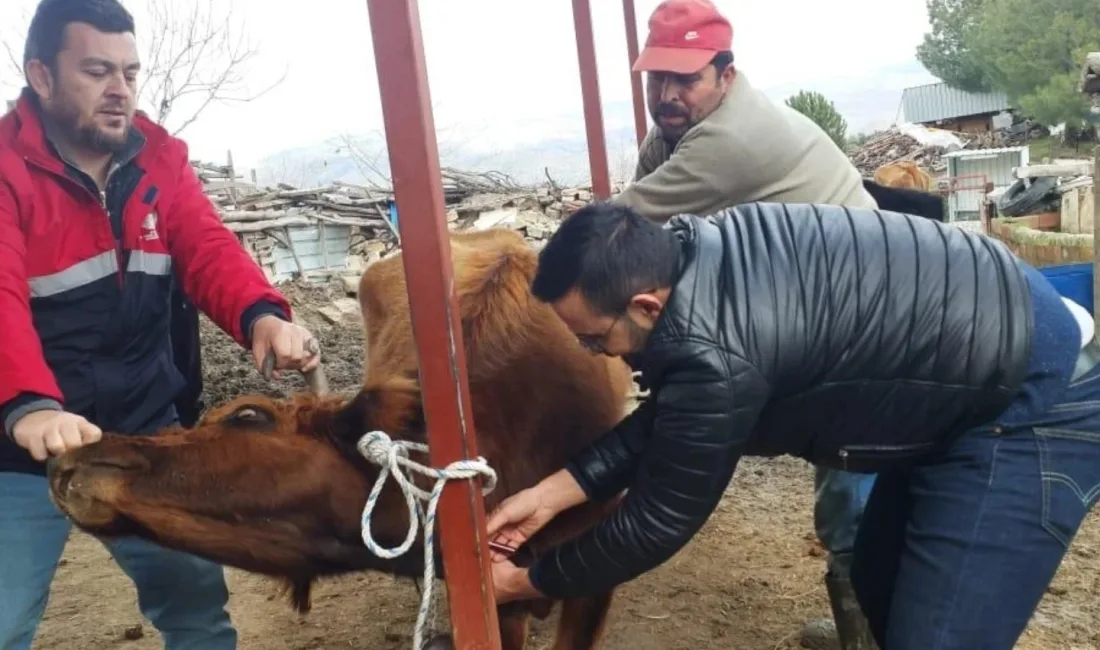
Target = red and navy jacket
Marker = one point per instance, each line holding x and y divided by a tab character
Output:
86	278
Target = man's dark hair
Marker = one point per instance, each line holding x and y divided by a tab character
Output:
721	61
610	253
46	36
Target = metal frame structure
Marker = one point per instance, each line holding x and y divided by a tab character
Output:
426	252
1096	239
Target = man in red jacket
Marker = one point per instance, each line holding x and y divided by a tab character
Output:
99	212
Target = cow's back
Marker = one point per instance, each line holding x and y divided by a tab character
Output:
538	396
903	173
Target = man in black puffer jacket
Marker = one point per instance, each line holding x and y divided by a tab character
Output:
861	340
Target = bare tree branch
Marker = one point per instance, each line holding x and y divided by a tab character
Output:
196	58
13	61
367	162
193	58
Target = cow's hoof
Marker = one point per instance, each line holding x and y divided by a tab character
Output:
440	642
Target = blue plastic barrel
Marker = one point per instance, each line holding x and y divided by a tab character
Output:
1073	281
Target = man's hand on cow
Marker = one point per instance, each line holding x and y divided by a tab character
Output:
43	433
516	519
525	513
512	583
293	345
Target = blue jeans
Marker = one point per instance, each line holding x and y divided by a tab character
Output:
957	552
839	500
183	596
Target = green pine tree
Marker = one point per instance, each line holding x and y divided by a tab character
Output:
1032	51
822	112
948	50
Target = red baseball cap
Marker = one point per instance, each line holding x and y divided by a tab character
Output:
684	35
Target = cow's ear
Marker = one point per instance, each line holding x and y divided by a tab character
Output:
352	420
392	407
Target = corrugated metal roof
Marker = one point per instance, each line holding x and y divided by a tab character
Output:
933	102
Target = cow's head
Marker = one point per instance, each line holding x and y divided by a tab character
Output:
270	486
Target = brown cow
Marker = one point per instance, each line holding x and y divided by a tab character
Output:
277	486
905	174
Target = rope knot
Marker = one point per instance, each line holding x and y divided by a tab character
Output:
392	456
377	447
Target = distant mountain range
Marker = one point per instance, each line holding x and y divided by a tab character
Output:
557	145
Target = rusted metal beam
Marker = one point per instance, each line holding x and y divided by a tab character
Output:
1096	239
426	253
590	91
631	21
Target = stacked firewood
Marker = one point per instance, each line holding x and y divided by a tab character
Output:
893	146
263	217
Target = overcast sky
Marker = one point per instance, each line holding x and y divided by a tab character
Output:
497	67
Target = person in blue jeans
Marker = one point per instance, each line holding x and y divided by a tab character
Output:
839	500
183	596
864	341
100	213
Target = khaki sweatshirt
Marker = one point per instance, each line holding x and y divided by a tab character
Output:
749	149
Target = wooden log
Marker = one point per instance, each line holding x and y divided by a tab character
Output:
235	216
226	185
1068	168
1071	213
273	204
364	191
211	168
294	194
257	198
371	211
259	221
347	220
261	226
343	199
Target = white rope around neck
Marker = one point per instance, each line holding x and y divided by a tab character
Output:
391	456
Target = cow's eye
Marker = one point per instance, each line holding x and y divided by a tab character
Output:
251	416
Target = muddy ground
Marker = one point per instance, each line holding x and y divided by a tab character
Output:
748	581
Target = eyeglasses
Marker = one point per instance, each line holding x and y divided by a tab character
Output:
594	343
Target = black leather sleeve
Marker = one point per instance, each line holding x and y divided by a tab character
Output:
608	465
705	409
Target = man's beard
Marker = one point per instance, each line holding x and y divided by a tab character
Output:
671	134
86	136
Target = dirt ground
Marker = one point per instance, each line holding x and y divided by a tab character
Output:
748	581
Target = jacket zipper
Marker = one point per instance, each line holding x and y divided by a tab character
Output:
118	240
883	450
101	199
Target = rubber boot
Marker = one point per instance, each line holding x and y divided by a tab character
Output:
853	632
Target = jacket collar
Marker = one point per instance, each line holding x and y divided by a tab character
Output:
36	135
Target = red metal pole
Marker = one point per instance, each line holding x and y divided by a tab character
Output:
640	124
426	249
590	91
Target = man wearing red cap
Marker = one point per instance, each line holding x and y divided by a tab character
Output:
717	142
